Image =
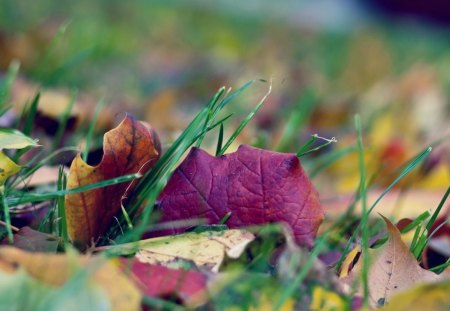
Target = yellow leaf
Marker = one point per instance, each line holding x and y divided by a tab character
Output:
324	300
57	269
205	249
345	268
7	168
267	304
437	179
430	297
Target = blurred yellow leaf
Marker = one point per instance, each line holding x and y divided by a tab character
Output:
7	168
438	178
57	270
267	304
430	297
324	300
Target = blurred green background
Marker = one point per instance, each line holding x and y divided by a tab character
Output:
327	60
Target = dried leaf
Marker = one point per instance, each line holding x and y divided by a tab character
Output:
256	186
395	269
129	148
57	269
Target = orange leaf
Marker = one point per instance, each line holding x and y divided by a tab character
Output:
129	148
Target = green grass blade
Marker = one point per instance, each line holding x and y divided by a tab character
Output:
438	269
438	209
32	166
39	197
210	108
244	122
60	204
306	145
219	140
7	216
31	114
418	245
365	214
418	221
328	142
5	87
297	119
63	121
405	172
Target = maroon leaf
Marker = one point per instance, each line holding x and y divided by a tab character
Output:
162	282
257	186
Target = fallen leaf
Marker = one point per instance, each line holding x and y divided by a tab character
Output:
205	249
57	270
349	261
14	139
257	186
129	148
433	297
325	300
394	269
267	303
34	241
19	291
159	281
11	139
7	168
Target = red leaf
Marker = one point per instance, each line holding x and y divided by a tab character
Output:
162	282
257	186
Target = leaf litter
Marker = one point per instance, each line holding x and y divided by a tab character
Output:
240	191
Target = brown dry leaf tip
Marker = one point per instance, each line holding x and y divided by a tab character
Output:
130	148
57	269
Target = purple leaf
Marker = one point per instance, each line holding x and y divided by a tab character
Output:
257	186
